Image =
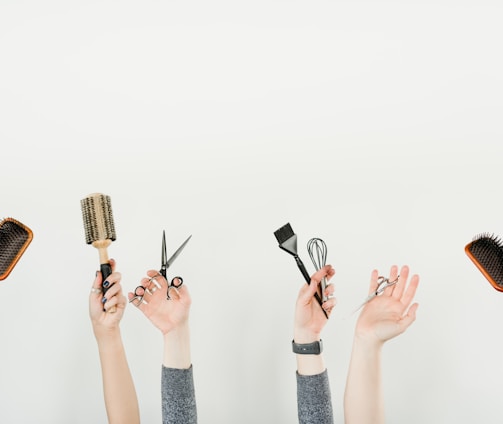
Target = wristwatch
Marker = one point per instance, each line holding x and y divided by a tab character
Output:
314	348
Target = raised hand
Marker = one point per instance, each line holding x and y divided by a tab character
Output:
390	314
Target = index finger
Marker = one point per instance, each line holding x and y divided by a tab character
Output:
308	290
152	273
327	271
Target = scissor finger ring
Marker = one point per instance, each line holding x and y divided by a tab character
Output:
143	289
138	300
180	282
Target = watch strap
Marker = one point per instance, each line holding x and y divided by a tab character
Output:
314	348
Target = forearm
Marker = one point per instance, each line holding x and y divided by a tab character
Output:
177	348
363	397
120	396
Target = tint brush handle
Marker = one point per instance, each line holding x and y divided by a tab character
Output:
303	270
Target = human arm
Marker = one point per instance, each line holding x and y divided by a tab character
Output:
383	318
314	403
171	318
121	402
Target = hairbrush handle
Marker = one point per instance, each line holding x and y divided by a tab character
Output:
106	270
105	267
304	272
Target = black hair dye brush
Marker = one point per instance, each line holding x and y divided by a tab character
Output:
287	240
99	228
486	252
14	239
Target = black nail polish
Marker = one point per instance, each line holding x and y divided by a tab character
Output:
104	300
106	284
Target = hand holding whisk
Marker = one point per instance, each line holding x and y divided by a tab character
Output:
318	252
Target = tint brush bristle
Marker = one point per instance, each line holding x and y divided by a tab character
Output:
486	252
287	239
284	233
14	239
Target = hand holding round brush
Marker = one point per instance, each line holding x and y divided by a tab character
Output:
99	228
99	304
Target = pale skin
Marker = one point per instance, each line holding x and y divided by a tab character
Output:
171	317
120	396
310	320
383	318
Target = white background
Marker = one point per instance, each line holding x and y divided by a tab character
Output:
373	125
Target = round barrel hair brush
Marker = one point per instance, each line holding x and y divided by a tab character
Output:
14	239
99	227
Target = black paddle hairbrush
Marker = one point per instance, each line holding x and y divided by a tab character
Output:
14	239
287	240
486	252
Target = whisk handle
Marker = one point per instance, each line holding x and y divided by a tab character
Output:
304	272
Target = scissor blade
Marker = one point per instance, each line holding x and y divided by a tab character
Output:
178	251
367	300
163	248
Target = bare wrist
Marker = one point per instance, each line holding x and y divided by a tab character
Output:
305	336
367	343
108	338
177	348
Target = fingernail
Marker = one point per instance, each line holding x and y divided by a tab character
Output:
104	300
106	284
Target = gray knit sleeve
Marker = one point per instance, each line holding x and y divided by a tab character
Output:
178	396
314	401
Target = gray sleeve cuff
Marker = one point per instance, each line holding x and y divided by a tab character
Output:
178	396
314	401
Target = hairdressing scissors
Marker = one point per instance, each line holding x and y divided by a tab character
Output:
140	291
166	263
382	284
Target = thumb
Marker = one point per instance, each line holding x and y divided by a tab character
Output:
408	319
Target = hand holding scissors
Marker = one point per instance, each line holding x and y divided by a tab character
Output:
389	312
382	284
151	297
153	285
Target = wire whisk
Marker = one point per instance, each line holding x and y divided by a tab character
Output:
318	252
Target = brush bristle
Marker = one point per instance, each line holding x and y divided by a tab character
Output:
284	233
287	239
486	252
14	239
98	218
